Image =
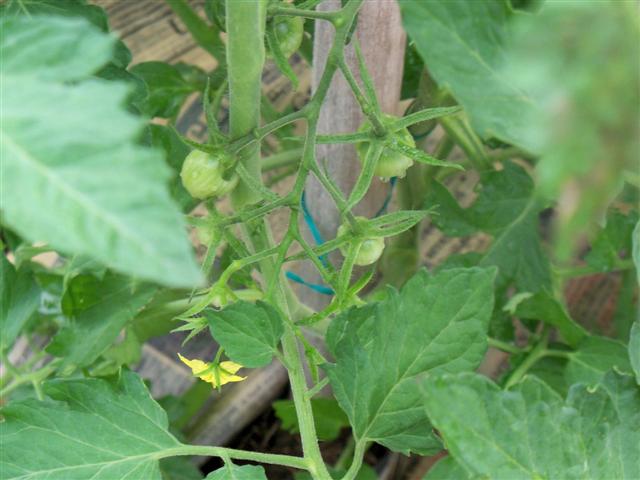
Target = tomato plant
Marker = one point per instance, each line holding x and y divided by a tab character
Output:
97	173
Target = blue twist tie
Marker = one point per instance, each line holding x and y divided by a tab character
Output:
313	286
383	208
317	237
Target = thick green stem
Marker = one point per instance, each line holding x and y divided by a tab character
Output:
539	351
356	464
302	403
504	346
245	47
245	60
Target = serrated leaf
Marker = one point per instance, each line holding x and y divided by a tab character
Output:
593	357
634	349
551	370
235	472
463	46
91	429
636	249
179	468
447	469
613	242
366	472
248	332
84	185
167	88
327	415
507	209
99	309
435	323
529	432
558	61
545	307
73	9
19	299
502	197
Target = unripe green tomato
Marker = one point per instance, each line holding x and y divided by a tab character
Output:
424	128
289	32
370	248
202	175
391	163
205	234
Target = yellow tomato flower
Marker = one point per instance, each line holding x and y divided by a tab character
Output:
225	372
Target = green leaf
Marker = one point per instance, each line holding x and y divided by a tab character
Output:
506	209
179	468
529	432
167	88
72	9
551	370
91	429
20	297
249	333
126	352
559	62
447	469
99	310
594	357
327	415
235	472
366	472
613	242
545	307
84	185
463	46
626	311
636	249
634	349
175	152
434	324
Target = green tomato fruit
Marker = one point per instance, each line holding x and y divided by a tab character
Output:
289	32
205	234
391	163
370	248
202	175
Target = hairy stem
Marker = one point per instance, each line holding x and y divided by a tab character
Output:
231	453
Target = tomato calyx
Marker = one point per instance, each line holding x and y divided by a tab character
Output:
391	163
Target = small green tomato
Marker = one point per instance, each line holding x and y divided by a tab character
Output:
202	175
370	248
289	32
391	163
205	234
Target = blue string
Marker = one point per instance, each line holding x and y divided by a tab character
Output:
392	183
317	237
313	286
315	233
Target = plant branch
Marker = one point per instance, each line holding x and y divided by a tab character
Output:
222	452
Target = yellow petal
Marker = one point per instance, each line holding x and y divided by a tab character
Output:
196	366
224	372
230	367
